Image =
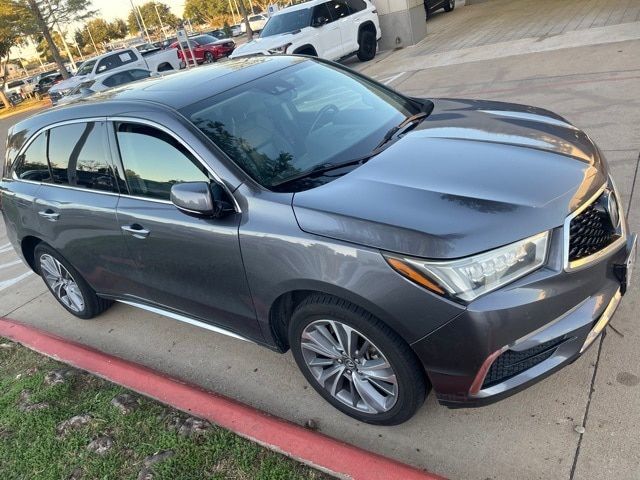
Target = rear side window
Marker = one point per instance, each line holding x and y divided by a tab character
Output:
32	164
78	156
116	60
338	9
356	5
119	78
154	161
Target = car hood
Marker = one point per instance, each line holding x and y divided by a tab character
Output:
70	82
473	176
262	44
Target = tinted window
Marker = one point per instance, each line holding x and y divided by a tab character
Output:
116	60
117	79
86	67
78	156
205	39
288	22
139	74
33	162
154	161
356	5
338	9
321	11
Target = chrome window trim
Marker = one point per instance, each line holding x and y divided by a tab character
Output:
175	136
572	266
185	319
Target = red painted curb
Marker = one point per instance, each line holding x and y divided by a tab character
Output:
311	448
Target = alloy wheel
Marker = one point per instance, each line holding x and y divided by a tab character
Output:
61	283
349	366
208	57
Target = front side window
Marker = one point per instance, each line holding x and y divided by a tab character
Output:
116	79
86	67
286	123
78	156
139	74
154	161
32	164
287	22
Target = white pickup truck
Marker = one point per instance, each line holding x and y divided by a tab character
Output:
125	59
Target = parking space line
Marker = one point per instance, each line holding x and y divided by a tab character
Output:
10	264
388	80
5	248
8	283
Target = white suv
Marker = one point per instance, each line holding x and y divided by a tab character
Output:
330	29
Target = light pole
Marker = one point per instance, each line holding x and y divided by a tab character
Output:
160	20
144	25
91	38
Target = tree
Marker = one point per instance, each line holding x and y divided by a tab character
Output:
44	51
150	17
41	16
206	11
10	34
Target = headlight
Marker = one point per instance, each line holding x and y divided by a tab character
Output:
279	50
468	278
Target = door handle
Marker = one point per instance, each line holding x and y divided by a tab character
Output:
136	230
49	214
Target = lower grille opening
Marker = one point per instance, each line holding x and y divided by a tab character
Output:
511	363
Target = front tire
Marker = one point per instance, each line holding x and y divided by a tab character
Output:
450	5
356	362
67	285
209	58
368	46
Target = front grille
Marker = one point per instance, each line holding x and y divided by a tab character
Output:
511	363
590	231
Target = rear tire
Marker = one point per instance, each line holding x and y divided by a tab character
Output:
209	57
368	46
67	285
450	5
375	378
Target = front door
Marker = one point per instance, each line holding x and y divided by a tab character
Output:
187	264
328	35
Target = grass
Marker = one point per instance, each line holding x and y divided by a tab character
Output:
31	447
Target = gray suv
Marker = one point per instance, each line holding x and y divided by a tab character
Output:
394	244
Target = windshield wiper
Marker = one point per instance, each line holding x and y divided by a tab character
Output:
323	168
409	121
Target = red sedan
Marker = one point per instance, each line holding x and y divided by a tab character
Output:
206	49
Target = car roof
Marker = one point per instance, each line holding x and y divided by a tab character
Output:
173	91
299	6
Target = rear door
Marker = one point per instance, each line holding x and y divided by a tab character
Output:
187	264
328	38
348	31
76	204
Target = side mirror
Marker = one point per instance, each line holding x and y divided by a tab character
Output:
201	199
320	21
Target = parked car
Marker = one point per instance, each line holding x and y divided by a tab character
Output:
206	49
256	22
46	82
331	29
124	59
17	87
104	82
218	34
392	243
431	6
236	30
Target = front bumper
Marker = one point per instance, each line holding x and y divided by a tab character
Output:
516	336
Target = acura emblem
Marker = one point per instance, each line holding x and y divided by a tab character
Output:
612	208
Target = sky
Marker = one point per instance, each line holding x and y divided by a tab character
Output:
109	10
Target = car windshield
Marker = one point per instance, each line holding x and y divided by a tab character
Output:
292	121
287	22
86	67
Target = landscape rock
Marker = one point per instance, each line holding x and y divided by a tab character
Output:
100	445
74	423
26	405
76	474
158	457
6	345
56	377
189	426
125	402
